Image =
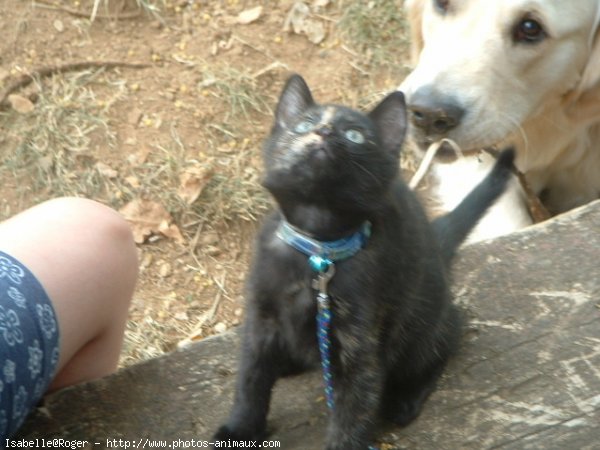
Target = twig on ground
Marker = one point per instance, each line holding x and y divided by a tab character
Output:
75	12
269	68
206	317
26	79
253	47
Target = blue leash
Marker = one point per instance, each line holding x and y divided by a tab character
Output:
321	260
325	270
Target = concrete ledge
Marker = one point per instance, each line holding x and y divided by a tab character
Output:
528	375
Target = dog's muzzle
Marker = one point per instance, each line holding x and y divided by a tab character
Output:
433	114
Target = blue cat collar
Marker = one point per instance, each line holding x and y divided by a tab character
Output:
328	250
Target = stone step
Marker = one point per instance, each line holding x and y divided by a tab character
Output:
527	376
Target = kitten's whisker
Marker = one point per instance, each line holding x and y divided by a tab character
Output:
365	170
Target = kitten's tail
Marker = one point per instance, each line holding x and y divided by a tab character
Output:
454	227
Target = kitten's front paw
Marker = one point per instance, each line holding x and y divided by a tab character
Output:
346	446
223	434
228	433
404	412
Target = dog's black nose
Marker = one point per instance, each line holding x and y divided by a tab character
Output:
433	113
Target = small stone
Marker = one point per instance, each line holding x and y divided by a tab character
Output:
134	116
220	327
212	250
249	15
106	171
21	104
182	316
147	260
209	239
59	26
165	270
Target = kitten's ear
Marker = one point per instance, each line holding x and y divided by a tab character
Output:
293	101
390	118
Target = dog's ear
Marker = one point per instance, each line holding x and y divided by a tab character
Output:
591	74
414	13
585	104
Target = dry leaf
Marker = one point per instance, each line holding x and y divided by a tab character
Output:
315	31
298	20
192	183
139	157
133	181
106	171
171	231
249	15
146	218
20	104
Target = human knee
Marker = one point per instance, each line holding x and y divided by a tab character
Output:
85	214
109	234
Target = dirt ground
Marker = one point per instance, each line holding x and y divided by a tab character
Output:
159	109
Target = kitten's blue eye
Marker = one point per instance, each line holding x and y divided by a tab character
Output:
355	136
304	127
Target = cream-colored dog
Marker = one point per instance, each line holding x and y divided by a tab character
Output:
521	72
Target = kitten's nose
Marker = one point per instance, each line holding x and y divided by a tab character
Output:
324	130
433	113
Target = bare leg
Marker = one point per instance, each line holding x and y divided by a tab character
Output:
83	254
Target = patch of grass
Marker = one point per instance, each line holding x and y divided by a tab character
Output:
51	149
150	7
232	191
158	178
376	29
145	339
228	153
238	89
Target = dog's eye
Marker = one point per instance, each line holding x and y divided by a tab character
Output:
529	31
442	5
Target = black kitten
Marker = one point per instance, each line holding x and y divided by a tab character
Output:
330	170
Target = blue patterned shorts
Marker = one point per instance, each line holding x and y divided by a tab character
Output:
28	343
